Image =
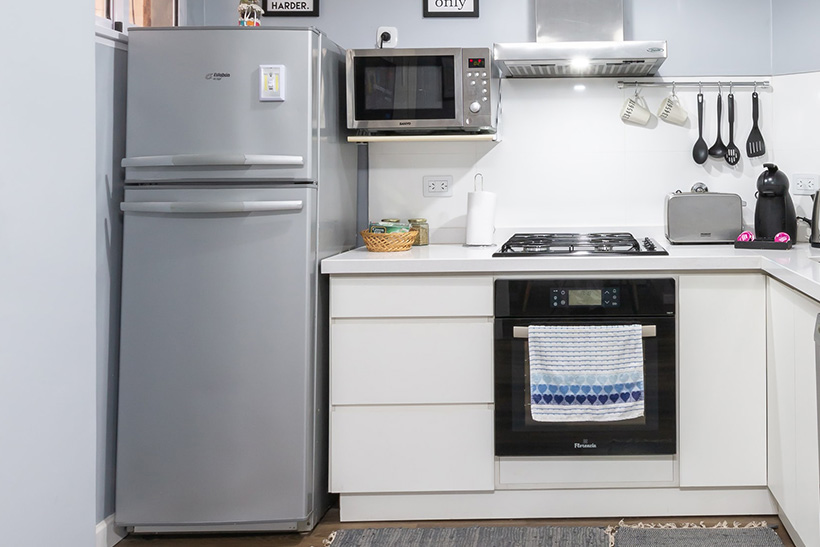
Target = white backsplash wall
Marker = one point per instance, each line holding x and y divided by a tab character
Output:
796	129
566	159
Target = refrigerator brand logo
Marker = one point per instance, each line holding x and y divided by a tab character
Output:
217	75
586	444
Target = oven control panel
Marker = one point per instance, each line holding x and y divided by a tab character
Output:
606	297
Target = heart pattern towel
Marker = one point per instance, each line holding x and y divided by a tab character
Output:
583	373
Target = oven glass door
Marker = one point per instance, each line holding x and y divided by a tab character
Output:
416	87
518	434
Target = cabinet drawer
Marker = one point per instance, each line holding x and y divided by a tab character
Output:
422	448
411	296
423	360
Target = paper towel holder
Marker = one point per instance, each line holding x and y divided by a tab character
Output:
480	215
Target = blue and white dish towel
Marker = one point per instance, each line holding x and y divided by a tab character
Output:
582	373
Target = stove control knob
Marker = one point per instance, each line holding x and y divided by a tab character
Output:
648	244
475	106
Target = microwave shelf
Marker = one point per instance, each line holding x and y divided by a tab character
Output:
474	137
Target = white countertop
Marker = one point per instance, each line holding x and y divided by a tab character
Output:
798	267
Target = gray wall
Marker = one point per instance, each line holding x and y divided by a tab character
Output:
111	60
706	38
47	288
796	37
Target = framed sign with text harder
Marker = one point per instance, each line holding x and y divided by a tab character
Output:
450	8
277	8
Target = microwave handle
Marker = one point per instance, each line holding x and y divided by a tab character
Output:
189	160
647	331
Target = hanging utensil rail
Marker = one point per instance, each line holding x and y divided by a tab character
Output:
763	84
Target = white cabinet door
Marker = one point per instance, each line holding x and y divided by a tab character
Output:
794	463
722	380
780	379
411	296
412	360
414	448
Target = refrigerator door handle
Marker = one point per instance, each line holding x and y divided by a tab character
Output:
210	207
183	160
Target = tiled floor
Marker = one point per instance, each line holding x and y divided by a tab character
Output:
330	522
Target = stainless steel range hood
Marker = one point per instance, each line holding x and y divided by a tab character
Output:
579	38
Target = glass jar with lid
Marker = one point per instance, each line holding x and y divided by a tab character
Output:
420	224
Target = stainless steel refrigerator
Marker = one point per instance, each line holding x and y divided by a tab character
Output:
239	180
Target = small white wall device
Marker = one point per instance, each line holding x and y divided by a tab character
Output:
387	37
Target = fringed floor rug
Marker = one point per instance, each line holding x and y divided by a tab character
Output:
755	534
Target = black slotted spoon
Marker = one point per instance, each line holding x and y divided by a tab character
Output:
732	151
755	146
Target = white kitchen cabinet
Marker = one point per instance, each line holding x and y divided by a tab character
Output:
412	360
722	380
411	384
794	467
412	448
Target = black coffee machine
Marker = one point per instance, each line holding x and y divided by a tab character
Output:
774	212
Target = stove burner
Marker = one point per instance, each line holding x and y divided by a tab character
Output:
578	244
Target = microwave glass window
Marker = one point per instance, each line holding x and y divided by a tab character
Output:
414	87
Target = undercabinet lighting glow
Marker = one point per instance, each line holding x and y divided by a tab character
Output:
579	63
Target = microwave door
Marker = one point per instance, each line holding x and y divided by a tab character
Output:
412	89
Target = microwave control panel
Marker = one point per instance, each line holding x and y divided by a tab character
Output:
477	81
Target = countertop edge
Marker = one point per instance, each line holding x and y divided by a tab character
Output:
798	268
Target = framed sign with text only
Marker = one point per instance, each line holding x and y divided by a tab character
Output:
450	8
291	8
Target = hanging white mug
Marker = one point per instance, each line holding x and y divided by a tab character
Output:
635	110
671	111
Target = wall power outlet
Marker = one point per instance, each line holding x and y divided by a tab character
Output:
437	186
805	184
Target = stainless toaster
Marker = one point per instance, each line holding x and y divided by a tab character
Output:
703	217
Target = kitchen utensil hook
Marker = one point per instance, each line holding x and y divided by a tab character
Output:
478	177
700	87
673	89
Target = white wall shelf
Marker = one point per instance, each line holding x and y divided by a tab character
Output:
480	137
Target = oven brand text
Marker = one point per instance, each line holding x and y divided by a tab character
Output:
585	445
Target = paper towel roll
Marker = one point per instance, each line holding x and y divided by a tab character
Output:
480	218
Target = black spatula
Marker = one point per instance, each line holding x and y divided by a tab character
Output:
755	146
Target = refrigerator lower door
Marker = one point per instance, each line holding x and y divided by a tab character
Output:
217	361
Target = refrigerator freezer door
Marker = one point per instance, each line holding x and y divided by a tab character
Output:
217	368
194	106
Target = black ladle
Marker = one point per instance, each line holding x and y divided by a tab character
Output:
718	150
701	151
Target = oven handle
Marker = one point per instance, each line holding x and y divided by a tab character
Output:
647	331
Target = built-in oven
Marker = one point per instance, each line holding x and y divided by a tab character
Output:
557	397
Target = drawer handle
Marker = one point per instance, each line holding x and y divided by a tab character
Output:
647	331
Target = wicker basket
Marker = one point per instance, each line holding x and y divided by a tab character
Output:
397	241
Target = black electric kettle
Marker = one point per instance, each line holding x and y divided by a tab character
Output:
814	238
774	212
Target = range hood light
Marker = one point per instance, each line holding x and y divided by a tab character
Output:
568	30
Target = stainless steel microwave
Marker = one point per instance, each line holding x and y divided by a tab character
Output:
422	90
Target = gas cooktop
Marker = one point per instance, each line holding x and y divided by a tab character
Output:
617	243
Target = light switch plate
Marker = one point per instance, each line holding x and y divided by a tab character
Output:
271	82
